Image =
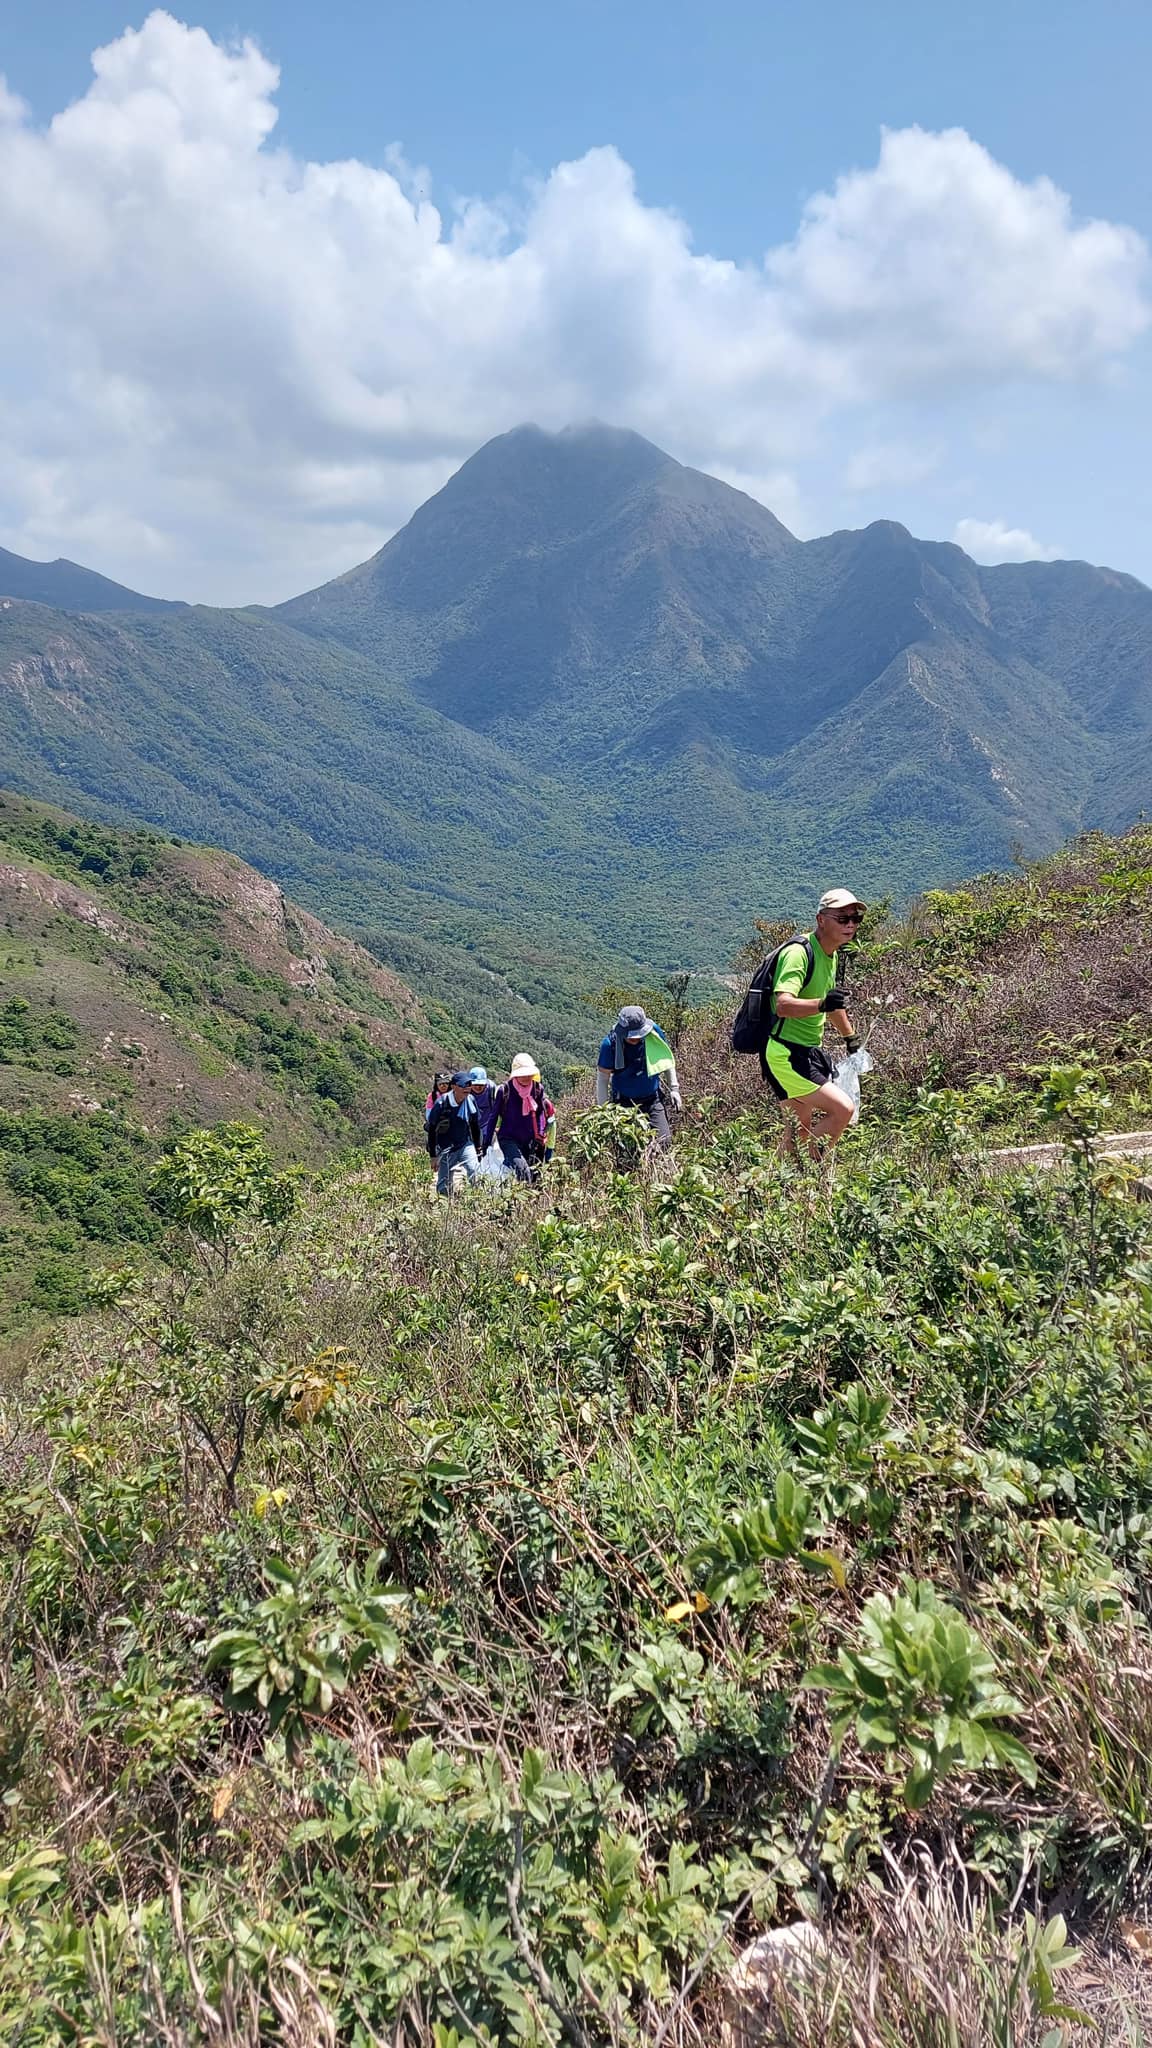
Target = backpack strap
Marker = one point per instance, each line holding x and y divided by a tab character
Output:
801	939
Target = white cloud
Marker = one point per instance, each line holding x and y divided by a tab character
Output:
12	108
939	265
991	540
250	368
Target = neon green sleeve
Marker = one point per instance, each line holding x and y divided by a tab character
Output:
791	971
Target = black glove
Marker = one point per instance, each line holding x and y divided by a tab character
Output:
836	999
852	1044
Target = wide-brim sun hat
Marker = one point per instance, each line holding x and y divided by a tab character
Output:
633	1022
524	1068
841	899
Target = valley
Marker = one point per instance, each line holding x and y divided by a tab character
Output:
587	715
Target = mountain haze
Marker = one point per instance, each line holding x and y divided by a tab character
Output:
592	710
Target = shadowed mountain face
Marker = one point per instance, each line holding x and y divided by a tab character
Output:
591	707
71	588
626	610
554	561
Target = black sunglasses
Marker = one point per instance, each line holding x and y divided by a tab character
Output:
847	917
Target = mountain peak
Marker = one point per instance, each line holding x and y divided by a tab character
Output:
69	587
522	498
568	474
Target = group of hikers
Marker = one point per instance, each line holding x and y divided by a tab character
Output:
781	1020
465	1116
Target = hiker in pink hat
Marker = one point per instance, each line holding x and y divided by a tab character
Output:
522	1118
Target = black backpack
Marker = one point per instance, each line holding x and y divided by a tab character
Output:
753	1023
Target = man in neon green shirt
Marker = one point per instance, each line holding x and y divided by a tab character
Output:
804	992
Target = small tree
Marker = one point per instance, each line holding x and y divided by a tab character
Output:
668	1004
211	1180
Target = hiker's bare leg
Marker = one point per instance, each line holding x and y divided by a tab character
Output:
823	1117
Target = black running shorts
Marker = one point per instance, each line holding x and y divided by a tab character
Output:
802	1069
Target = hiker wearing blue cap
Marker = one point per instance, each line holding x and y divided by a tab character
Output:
454	1136
635	1066
482	1092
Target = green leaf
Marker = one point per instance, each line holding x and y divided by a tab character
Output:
1007	1750
918	1787
824	1561
822	1678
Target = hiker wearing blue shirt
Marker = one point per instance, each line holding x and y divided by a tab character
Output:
454	1136
634	1059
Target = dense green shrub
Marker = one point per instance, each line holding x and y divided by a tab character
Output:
436	1590
36	1039
85	1170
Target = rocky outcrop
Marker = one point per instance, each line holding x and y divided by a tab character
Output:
35	886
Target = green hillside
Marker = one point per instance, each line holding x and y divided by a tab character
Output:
148	987
458	864
587	715
472	1623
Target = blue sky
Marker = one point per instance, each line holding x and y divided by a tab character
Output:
735	118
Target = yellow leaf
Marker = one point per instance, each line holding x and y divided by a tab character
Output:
222	1797
681	1609
270	1497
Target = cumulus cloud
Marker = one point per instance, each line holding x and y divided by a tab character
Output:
229	371
991	540
940	265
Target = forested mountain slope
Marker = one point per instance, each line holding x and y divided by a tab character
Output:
71	588
472	873
589	712
666	620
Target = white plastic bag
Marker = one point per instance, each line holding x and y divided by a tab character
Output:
846	1074
492	1165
